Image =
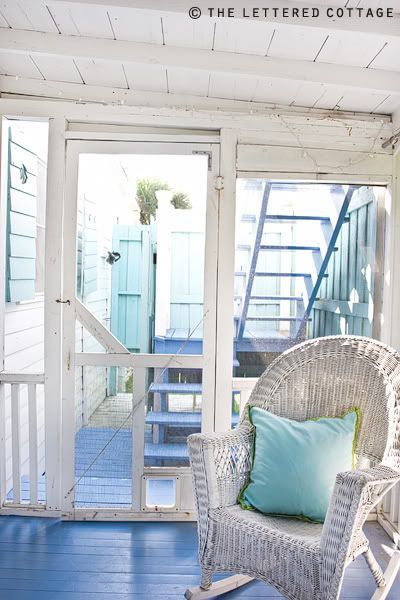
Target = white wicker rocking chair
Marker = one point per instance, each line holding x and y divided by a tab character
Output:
304	561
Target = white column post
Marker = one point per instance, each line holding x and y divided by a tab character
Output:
3	229
390	332
163	272
52	309
210	295
138	416
68	332
3	232
225	283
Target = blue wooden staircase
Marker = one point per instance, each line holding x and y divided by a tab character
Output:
311	274
168	429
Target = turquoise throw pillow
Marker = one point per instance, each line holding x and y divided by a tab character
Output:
295	463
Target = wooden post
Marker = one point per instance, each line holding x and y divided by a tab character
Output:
210	294
15	441
225	283
3	230
33	446
52	309
138	399
163	272
68	332
390	333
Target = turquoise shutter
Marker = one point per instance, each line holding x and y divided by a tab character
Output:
21	222
131	305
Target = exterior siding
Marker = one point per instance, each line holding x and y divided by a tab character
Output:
345	302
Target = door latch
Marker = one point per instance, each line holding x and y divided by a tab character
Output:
219	183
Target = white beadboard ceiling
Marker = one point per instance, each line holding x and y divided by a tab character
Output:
153	46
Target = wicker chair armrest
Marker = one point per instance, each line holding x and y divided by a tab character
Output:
355	495
221	464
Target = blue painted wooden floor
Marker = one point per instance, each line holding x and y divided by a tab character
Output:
47	559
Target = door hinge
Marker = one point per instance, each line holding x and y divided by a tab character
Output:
219	183
205	153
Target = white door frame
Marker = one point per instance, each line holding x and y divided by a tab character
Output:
71	359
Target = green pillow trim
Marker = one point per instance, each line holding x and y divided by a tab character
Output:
246	506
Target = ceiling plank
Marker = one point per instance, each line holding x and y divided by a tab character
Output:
123	52
377	26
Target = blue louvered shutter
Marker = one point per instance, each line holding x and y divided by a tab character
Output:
21	222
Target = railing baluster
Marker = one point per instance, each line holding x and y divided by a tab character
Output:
394	504
19	457
33	449
15	431
397	487
138	416
386	502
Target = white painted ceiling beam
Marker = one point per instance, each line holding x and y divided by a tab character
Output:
187	109
119	51
386	27
267	123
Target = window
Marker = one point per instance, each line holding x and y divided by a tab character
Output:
306	256
26	209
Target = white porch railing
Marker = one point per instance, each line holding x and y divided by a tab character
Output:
21	439
389	515
22	445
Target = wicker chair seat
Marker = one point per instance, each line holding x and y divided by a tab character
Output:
267	526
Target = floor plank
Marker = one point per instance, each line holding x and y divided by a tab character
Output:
48	559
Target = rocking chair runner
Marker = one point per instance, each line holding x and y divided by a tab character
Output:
304	561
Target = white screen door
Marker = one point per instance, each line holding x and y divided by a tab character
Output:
141	226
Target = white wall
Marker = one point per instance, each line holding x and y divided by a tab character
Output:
91	382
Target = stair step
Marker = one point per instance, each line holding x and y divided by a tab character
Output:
277	298
176	388
280	248
166	451
297	218
278	274
179	419
248	218
276	319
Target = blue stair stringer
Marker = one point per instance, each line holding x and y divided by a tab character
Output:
312	281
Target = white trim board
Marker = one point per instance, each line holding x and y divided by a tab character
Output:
194	111
35	43
284	125
288	160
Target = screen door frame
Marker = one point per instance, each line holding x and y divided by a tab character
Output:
141	362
